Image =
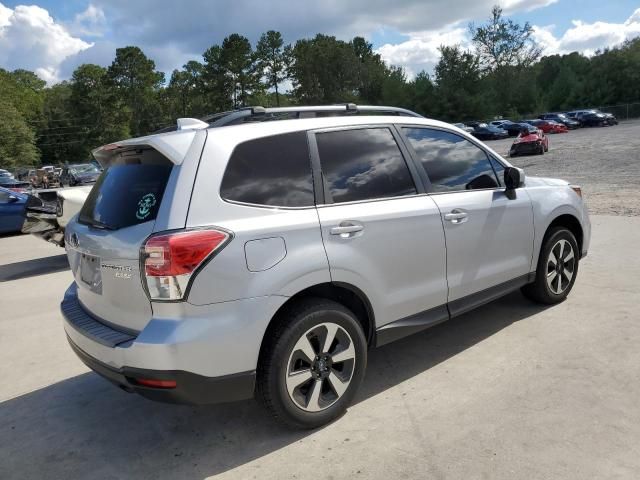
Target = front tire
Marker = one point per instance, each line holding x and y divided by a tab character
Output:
312	363
557	268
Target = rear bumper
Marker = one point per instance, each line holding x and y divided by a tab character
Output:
190	388
210	351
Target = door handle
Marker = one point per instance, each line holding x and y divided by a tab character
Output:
346	229
456	216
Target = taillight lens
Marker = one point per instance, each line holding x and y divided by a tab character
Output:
170	259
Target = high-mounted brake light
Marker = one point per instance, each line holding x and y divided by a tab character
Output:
170	259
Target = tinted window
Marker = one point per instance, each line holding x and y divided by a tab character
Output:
126	195
363	164
273	171
452	162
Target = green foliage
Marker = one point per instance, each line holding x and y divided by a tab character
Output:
501	76
135	80
503	43
17	139
324	70
274	59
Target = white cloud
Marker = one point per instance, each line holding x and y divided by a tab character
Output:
91	22
588	37
420	52
31	39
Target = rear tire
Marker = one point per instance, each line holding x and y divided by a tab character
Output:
557	268
305	392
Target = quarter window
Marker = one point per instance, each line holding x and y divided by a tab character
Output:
363	164
274	171
452	162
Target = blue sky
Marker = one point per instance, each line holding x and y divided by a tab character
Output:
53	37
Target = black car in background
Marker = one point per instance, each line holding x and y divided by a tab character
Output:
561	118
592	117
484	131
79	174
512	128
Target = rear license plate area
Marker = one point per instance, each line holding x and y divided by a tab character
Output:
90	272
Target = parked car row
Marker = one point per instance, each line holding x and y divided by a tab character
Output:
547	122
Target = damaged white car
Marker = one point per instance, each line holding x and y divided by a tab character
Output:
48	215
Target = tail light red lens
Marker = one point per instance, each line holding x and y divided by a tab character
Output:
170	259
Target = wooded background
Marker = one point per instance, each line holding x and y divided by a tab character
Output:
504	74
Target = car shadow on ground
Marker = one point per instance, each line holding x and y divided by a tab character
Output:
84	427
34	267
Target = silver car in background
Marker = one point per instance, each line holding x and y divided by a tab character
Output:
265	252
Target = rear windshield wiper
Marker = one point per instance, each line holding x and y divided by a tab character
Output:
98	224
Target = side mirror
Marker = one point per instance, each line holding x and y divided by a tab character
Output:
513	178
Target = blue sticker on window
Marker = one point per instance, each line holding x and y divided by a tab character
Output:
145	205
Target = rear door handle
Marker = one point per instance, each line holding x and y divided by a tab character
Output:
346	229
456	216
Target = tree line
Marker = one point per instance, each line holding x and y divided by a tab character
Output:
503	74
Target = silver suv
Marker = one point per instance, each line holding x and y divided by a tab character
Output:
265	255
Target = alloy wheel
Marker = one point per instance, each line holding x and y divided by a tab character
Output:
561	265
320	367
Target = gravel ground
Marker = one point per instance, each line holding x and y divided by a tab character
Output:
604	161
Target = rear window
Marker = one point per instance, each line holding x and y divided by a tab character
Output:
126	195
272	171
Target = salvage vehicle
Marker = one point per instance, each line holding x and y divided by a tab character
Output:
464	127
48	219
512	128
79	174
484	131
44	178
549	126
12	205
530	141
267	258
592	120
14	185
561	118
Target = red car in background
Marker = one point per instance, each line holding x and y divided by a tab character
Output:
549	126
531	141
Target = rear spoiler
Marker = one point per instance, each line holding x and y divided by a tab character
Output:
173	145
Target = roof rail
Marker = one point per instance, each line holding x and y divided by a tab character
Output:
261	114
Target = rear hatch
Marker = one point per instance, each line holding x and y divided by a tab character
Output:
103	243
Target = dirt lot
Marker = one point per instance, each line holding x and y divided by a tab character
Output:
604	161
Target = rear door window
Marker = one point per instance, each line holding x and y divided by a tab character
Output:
451	162
126	194
272	171
363	164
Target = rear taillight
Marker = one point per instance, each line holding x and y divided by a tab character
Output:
170	259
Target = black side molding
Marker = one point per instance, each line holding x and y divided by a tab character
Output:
423	320
465	304
410	325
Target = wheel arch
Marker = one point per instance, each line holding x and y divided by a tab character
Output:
571	223
345	294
